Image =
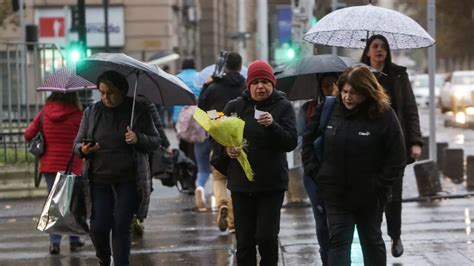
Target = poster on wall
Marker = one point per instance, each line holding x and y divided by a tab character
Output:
54	26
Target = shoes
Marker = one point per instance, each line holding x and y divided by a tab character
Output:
222	218
137	227
397	248
54	249
231	229
76	246
200	199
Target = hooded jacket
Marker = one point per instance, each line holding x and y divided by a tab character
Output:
266	146
217	94
59	125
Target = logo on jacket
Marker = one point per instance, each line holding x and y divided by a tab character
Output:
364	133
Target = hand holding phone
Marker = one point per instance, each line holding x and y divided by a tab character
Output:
89	142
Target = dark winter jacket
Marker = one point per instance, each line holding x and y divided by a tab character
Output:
148	141
155	115
362	155
403	101
59	125
266	146
217	94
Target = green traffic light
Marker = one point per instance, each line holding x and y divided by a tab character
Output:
290	53
75	55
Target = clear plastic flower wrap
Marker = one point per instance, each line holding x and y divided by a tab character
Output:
228	131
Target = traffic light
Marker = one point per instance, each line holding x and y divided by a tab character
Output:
287	52
75	52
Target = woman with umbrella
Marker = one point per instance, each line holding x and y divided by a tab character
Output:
397	85
116	163
59	122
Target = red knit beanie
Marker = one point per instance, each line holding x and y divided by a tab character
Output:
260	69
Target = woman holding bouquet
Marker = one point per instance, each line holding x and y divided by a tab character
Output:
270	133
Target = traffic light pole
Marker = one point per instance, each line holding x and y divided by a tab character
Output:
106	24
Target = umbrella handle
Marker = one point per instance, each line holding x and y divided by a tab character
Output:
134	98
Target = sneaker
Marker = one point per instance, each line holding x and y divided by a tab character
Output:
231	229
137	227
200	199
54	249
76	246
222	218
397	248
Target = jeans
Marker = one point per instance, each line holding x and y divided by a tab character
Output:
319	213
202	152
257	223
56	238
342	221
113	207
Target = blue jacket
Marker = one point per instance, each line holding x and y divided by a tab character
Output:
188	76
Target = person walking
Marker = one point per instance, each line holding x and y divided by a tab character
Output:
364	153
328	87
214	96
59	121
117	166
397	85
270	133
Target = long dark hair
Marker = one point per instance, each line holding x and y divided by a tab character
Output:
388	60
363	81
69	97
115	79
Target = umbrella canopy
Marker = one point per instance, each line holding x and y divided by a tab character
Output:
66	80
148	80
351	27
206	72
299	80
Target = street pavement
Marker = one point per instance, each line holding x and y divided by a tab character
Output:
435	232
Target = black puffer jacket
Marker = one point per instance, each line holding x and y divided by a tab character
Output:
362	155
403	101
267	146
217	94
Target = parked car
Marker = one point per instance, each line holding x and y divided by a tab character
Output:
420	85
458	91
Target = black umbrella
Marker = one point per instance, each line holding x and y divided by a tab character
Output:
300	79
145	79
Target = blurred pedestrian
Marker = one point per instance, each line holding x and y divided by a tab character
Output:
214	96
363	155
59	120
395	81
166	111
116	163
270	133
328	87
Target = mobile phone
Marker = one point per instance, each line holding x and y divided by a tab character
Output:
89	141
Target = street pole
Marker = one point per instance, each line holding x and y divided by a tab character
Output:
262	29
106	24
431	6
242	30
22	89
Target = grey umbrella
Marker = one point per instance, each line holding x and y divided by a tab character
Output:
351	27
147	80
299	80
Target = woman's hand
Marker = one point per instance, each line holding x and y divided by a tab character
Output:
130	136
265	119
415	151
233	152
87	148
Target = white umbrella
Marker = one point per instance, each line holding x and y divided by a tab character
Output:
351	27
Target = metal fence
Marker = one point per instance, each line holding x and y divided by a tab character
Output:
23	67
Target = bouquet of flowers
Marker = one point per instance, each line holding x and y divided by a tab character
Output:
228	131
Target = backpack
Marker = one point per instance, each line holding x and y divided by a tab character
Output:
187	128
318	143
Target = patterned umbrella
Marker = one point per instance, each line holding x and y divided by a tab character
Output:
66	80
351	27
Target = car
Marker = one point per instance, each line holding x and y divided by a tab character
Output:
420	86
458	92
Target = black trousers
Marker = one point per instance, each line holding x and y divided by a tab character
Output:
257	223
393	209
341	223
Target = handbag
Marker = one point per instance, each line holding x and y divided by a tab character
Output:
65	209
37	145
162	167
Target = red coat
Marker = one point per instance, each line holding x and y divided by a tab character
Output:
60	125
